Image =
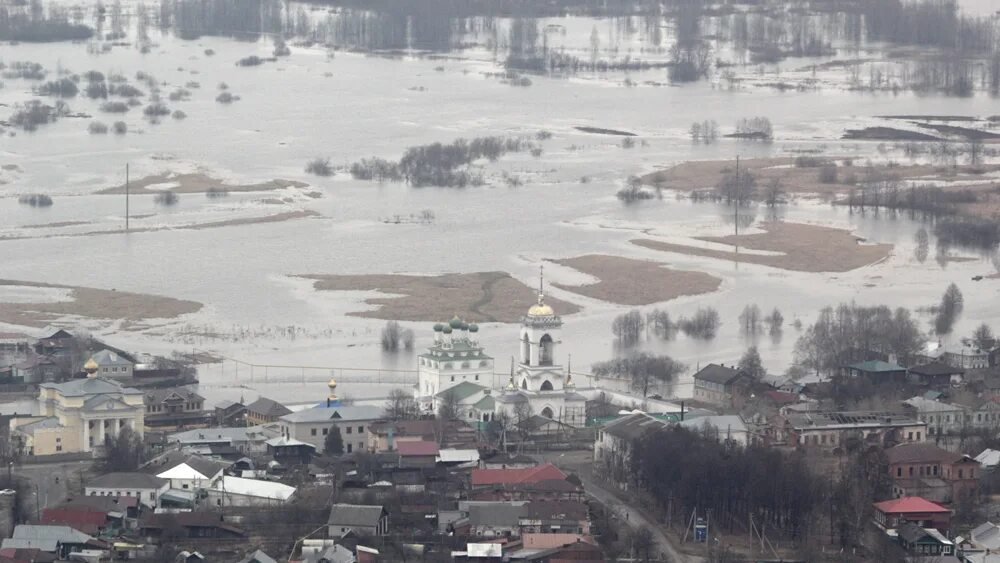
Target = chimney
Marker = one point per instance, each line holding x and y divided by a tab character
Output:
682	411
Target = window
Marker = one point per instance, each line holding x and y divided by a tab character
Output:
909	436
152	496
361	445
961	474
326	431
58	448
313	431
361	429
935	470
918	436
349	429
184	486
911	471
899	472
350	448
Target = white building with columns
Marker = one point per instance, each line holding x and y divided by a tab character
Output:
455	357
75	416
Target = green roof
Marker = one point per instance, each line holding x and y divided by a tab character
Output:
876	366
487	403
463	390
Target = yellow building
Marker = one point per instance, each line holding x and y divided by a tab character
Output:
76	416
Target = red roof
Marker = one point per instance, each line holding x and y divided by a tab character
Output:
86	520
416	448
909	505
520	475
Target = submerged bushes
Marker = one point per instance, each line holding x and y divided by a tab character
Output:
35	200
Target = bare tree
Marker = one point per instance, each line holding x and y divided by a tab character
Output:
449	407
628	327
394	337
401	405
983	337
750	320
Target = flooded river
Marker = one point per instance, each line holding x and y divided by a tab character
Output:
351	105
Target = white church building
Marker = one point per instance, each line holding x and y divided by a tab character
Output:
456	368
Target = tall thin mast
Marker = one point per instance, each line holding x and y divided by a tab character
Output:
126	196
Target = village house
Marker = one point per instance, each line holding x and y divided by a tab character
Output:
923	542
613	442
964	356
927	471
110	365
832	430
490	478
563	516
147	488
941	418
545	490
237	491
265	411
59	541
229	413
175	406
720	385
193	473
891	514
727	429
496	520
877	371
94	514
312	425
200	525
417	453
936	374
77	415
360	519
242	439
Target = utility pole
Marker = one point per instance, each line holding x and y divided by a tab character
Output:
126	197
736	198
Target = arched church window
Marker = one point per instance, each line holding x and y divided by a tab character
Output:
525	349
524	384
546	385
545	347
547	412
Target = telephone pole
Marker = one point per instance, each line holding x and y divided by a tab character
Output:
126	197
736	198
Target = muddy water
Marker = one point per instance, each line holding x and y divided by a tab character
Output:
352	106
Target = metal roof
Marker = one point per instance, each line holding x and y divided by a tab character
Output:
324	413
129	480
350	515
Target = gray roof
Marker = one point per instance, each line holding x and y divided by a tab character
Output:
355	515
634	426
258	557
62	534
90	386
155	396
50	422
498	514
225	435
722	423
106	402
462	391
717	374
268	407
45	545
109	358
127	481
225	404
324	413
848	419
207	467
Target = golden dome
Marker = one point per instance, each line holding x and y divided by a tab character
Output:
540	309
90	365
332	384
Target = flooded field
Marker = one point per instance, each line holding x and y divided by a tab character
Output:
241	254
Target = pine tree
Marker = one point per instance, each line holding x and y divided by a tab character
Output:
333	444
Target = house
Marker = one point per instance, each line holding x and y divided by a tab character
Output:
290	450
720	385
925	470
877	371
237	491
384	435
454	456
507	461
93	515
258	557
729	429
546	490
832	430
538	428
923	541
559	516
313	424
465	396
146	488
986	536
936	374
108	364
891	514
76	416
964	356
189	525
264	411
193	473
614	441
360	519
175	406
229	413
36	368
941	417
57	540
496	519
988	459
417	453
58	342
242	439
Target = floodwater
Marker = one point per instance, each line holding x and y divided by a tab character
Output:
349	106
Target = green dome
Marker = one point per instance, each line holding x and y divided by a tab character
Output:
473	327
465	326
447	330
438	327
455	322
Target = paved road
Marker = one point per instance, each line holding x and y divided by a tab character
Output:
582	464
49	481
